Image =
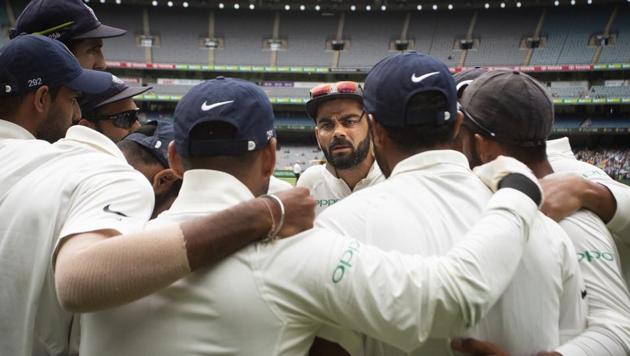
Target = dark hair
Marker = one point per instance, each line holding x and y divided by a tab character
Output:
10	105
525	154
414	138
137	153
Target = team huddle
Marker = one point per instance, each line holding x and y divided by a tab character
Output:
443	222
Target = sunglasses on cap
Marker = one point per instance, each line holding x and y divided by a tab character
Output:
122	120
346	87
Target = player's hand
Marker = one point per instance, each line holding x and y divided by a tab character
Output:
508	172
493	172
563	195
299	208
477	347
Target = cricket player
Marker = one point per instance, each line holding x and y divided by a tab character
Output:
270	299
72	211
510	113
431	196
341	129
146	150
72	23
113	113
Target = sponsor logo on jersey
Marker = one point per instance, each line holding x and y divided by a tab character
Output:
324	203
590	256
345	261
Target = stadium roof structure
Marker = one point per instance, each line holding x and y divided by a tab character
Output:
355	5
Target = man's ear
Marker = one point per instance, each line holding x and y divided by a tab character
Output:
487	149
379	135
459	119
163	181
87	123
317	138
175	161
269	158
42	99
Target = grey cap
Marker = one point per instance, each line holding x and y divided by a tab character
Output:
510	107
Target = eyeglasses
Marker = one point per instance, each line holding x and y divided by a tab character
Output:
122	120
339	87
328	125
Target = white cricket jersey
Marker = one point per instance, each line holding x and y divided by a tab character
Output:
608	330
424	208
270	299
277	185
562	159
327	188
80	184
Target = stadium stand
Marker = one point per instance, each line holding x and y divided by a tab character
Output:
567	122
306	35
179	40
448	26
5	25
123	48
602	91
620	51
243	33
499	34
574	89
369	43
615	163
288	155
570	47
498	31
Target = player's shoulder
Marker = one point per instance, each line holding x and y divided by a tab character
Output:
360	203
552	233
311	176
278	185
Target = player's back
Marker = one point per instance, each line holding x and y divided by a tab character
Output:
45	198
425	207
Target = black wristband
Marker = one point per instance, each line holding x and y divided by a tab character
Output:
523	184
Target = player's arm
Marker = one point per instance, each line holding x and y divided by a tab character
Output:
104	268
567	193
401	299
607	198
608	331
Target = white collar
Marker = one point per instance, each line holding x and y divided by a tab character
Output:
95	139
430	159
373	173
206	190
13	131
559	146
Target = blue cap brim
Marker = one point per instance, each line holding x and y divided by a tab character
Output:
91	82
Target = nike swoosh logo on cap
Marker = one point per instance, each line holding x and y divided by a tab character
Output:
422	77
206	107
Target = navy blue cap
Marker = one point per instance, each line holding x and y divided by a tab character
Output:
118	90
63	20
392	82
465	77
31	61
157	143
237	103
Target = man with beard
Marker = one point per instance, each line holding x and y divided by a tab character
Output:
510	113
342	133
430	195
